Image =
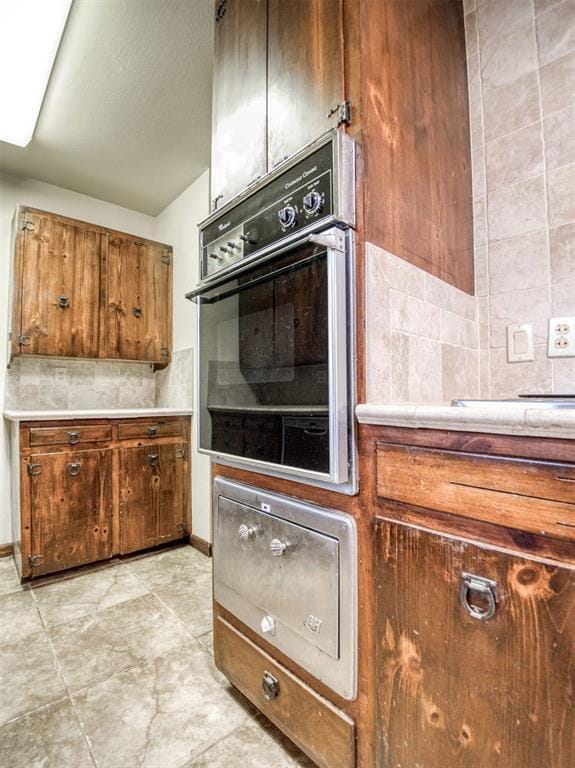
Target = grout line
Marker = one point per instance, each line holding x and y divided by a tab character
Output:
62	678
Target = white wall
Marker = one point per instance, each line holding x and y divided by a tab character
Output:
45	196
177	225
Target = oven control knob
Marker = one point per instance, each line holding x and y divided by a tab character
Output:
287	216
268	625
245	532
277	547
313	202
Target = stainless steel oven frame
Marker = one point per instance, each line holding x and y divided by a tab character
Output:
342	477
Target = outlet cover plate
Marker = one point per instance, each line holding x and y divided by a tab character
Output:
561	342
520	343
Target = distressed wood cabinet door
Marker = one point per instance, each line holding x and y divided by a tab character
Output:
173	469
239	97
57	285
139	488
138	300
305	73
457	691
70	500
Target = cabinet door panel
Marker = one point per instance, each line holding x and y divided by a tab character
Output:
454	690
305	72
239	98
138	276
173	469
139	484
59	293
70	509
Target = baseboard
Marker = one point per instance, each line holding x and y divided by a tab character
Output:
7	549
202	545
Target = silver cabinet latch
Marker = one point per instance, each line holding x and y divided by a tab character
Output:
485	589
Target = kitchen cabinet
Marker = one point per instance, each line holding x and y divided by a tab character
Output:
152	495
305	73
70	509
239	97
87	490
456	686
56	287
79	290
138	300
277	84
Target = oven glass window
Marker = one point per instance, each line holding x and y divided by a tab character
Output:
264	388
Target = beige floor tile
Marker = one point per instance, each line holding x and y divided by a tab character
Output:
92	648
9	581
174	566
82	595
161	714
257	744
29	677
19	616
47	738
207	641
191	601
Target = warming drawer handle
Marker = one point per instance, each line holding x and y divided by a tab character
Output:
270	686
481	587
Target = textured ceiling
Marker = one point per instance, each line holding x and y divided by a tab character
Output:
126	117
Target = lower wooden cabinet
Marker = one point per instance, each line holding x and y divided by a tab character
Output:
101	494
475	655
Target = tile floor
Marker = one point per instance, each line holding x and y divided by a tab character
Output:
113	668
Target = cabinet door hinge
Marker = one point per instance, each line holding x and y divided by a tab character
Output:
35	560
33	469
180	453
165	258
27	225
23	341
343	111
180	527
164	352
221	9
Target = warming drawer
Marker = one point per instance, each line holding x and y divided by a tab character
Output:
287	570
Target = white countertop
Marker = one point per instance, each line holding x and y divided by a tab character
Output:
117	413
501	418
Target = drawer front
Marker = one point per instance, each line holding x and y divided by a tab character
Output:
325	733
71	435
150	430
517	493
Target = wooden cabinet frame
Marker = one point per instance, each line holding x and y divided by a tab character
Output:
169	448
77	319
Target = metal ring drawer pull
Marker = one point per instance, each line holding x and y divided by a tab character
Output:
63	302
480	586
270	686
73	469
152	431
73	437
153	459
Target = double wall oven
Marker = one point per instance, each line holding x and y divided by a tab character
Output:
275	382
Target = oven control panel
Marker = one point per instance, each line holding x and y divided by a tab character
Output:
298	199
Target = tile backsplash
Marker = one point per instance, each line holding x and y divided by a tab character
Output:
521	67
31	384
174	385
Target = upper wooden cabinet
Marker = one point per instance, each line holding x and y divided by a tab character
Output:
239	98
56	290
278	74
82	291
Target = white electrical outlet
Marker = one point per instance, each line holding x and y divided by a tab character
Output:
561	337
520	343
60	376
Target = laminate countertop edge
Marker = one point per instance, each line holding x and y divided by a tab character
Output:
532	422
71	415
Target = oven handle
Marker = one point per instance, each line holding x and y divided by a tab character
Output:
199	294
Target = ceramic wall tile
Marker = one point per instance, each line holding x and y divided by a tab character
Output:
518	262
559	130
506	54
556	31
514	157
558	83
511	106
527	306
512	379
562	250
517	209
561	195
563	298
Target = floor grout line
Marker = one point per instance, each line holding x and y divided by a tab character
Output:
63	679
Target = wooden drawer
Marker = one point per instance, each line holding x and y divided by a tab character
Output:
527	495
133	430
70	435
325	733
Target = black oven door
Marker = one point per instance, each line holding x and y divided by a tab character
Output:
272	387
